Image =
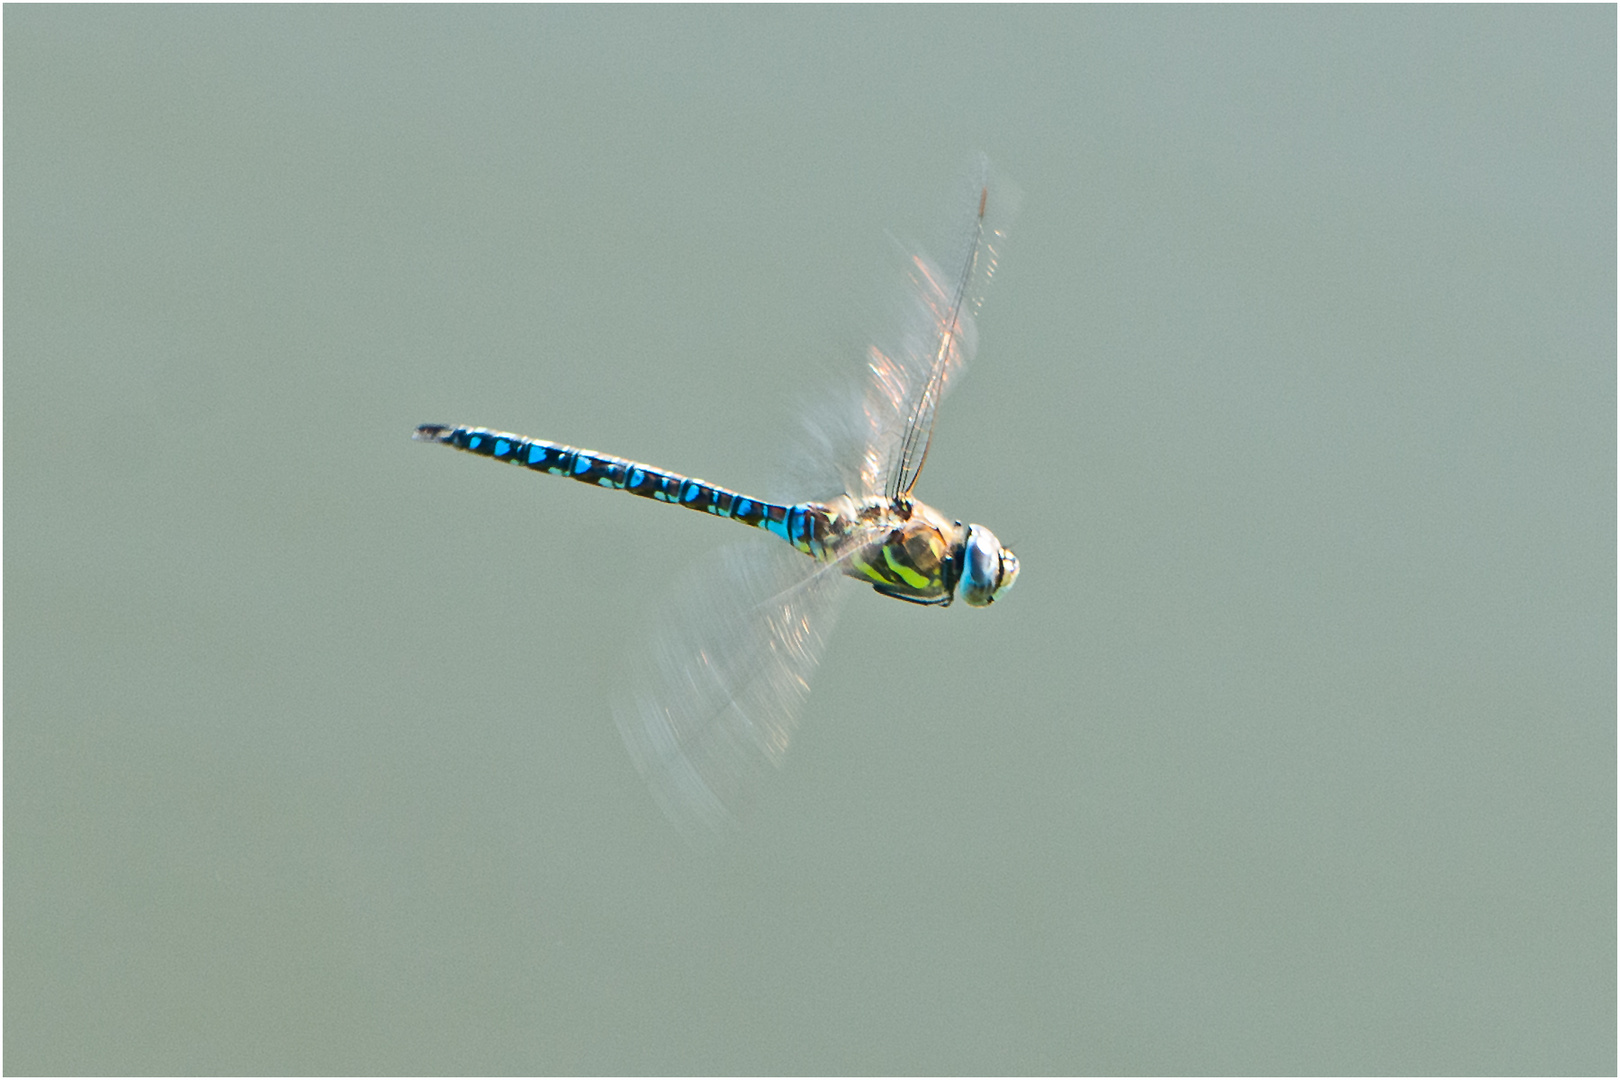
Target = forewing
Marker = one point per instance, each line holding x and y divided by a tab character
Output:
856	438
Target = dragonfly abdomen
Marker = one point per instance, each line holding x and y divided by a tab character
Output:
803	526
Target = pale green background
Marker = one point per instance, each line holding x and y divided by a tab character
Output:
1294	750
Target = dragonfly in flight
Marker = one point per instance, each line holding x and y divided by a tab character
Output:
718	687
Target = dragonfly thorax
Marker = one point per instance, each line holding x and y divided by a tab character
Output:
910	551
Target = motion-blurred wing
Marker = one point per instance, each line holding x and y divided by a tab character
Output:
933	337
717	689
870	435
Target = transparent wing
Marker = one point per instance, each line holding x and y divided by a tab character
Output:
873	435
717	689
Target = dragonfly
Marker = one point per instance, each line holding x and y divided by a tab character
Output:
718	685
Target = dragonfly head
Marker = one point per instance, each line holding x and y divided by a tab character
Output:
988	569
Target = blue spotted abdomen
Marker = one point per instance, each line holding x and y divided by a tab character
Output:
804	526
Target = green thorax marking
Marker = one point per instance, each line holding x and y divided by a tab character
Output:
912	550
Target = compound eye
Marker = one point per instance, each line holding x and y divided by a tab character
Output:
982	567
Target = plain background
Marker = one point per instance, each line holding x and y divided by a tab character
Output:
1293	751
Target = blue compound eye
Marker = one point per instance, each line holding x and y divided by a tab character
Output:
988	569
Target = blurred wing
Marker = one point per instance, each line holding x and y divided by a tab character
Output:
870	437
875	437
717	690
